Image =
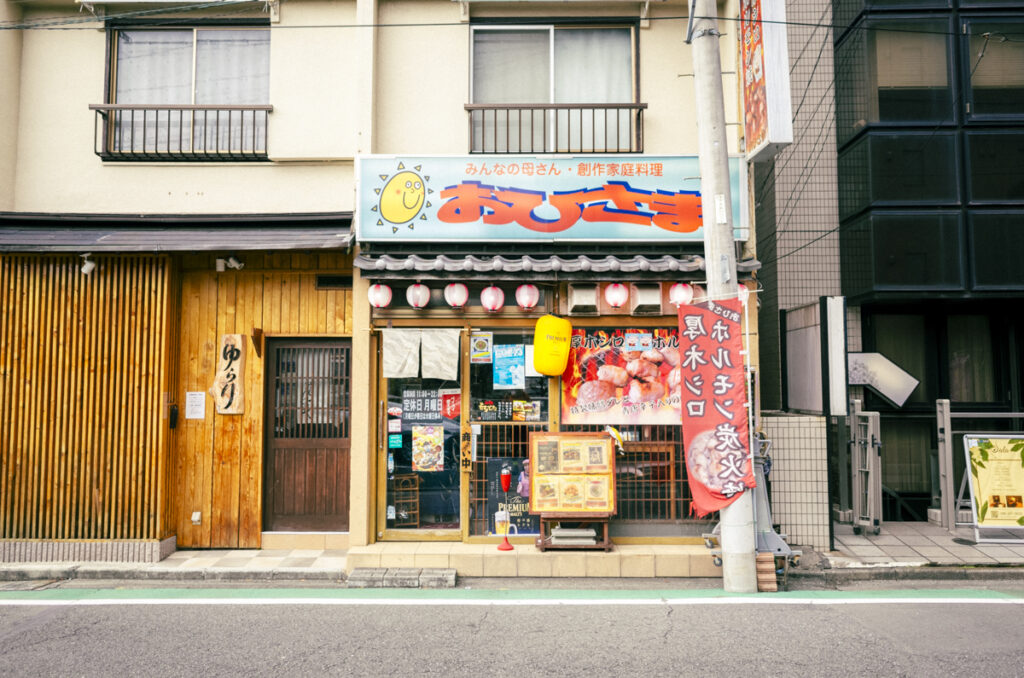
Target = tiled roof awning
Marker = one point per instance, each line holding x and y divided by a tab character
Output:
168	234
535	267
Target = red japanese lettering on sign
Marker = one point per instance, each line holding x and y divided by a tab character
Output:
614	202
714	413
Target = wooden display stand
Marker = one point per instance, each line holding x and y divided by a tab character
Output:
572	479
602	541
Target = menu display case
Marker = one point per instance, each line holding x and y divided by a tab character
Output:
572	480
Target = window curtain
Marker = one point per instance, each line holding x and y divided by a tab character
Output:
400	353
232	67
510	67
401	349
971	370
440	354
153	67
593	66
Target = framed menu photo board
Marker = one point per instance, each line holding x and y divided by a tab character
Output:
572	473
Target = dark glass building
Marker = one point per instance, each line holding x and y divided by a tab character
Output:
930	138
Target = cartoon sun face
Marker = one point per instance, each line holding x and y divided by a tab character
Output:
403	197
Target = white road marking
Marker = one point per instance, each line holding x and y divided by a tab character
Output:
538	602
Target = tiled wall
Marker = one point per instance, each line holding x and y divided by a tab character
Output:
799	478
795	196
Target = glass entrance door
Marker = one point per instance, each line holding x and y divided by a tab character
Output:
421	449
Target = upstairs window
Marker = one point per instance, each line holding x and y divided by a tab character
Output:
995	58
554	89
893	73
194	92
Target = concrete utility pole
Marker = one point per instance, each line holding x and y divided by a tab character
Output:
739	571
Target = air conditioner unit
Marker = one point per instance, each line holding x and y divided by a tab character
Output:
583	299
645	299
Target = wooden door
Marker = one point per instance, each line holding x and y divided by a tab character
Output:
307	436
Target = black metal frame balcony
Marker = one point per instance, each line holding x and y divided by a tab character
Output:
556	128
165	132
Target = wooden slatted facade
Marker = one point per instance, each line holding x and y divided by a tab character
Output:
83	373
90	366
219	461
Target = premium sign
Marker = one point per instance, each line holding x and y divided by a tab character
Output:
523	198
764	64
714	398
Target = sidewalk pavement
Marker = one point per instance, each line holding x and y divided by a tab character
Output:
901	551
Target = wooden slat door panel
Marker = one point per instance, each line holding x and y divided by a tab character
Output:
307	435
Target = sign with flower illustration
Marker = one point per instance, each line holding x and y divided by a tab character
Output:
996	466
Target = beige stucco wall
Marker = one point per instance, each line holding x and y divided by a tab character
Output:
313	64
57	170
321	51
10	84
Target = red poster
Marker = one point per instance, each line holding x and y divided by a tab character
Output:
451	403
755	99
714	398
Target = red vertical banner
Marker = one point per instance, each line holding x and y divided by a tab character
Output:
714	399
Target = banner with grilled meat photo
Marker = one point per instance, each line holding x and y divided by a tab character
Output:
622	376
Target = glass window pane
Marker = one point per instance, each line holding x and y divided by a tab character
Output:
996	54
593	66
154	67
511	67
916	250
913	168
971	362
996	170
423	451
898	169
893	72
903	340
232	67
503	389
997	249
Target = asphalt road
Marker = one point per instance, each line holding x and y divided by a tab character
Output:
76	632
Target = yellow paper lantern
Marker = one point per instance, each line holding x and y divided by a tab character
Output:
551	345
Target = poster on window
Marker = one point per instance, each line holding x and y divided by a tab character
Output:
480	348
421	405
451	402
516	501
714	398
621	377
427	448
509	366
996	464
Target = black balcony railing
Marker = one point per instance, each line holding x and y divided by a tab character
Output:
556	128
172	132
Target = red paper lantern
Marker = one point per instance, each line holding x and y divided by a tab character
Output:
417	295
680	293
456	294
616	295
379	295
527	296
492	298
